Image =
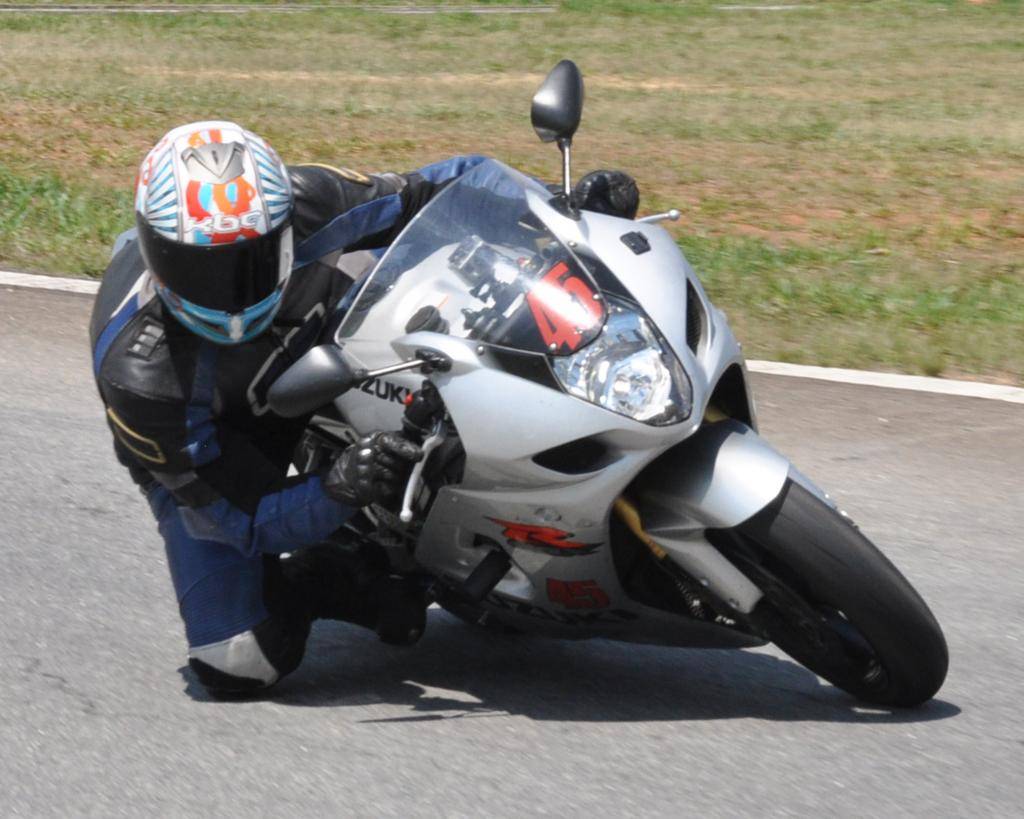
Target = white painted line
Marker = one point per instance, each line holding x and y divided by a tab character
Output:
48	282
894	381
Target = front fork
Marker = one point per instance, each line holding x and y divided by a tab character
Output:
718	478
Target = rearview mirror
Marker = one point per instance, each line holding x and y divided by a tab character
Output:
556	112
558	104
316	379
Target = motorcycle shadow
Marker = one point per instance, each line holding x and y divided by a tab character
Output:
459	671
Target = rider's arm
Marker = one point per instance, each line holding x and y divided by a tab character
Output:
240	498
226	489
336	208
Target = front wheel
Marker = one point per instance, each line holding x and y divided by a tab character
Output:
836	604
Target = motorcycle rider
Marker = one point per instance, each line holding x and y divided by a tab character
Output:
222	289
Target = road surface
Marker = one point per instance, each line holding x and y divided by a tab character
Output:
100	716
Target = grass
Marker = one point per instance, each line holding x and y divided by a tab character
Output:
851	174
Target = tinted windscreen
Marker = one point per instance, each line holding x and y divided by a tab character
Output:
482	264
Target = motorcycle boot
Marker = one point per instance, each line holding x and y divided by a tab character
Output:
352	583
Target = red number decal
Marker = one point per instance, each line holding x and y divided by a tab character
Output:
564	307
577	594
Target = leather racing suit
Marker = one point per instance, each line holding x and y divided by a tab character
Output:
191	423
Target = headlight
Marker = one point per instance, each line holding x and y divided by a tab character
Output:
628	370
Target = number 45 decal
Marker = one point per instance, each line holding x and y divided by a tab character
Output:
564	309
577	594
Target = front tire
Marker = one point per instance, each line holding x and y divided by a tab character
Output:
836	604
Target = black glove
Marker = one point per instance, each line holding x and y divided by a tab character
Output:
611	192
375	469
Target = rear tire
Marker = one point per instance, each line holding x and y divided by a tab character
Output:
836	604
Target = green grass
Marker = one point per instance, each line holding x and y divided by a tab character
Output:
71	228
847	306
851	175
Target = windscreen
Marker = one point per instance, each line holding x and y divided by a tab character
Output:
479	262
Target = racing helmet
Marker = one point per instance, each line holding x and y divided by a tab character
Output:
213	206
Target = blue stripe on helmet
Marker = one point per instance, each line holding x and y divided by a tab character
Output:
269	170
216	325
168	202
167	211
155	194
164	173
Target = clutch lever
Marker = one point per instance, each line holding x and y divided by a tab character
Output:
432	442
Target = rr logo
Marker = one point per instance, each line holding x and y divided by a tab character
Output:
547	538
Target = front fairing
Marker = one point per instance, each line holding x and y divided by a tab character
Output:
494	260
481	263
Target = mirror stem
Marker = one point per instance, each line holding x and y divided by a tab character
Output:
668	216
394	368
564	145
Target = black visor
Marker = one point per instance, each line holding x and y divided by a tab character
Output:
228	277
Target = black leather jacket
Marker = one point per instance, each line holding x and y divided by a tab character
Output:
190	417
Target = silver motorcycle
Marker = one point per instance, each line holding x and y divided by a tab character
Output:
593	466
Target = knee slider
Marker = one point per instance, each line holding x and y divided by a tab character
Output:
235	665
252	660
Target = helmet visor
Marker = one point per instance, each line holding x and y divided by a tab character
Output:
229	277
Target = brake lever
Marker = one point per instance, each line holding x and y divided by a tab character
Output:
432	442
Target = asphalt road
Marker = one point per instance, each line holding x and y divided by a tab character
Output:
98	716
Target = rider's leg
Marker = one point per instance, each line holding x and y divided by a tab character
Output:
247	618
352	583
242	633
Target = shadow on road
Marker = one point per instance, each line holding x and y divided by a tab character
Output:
459	671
